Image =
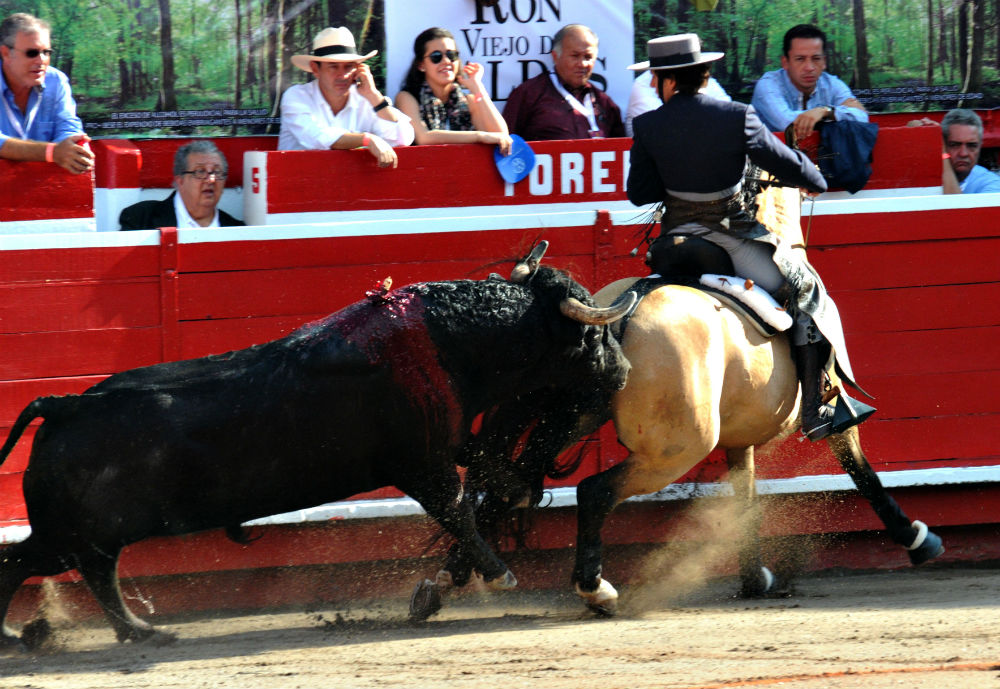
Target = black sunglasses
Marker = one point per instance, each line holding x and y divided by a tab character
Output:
35	52
437	55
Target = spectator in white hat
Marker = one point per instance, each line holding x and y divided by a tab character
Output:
341	108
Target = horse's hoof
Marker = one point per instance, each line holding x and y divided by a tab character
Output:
603	600
504	582
926	546
424	601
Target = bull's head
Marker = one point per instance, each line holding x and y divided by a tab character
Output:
532	429
571	307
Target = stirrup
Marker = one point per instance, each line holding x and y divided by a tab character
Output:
849	412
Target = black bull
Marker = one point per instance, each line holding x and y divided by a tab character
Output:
382	393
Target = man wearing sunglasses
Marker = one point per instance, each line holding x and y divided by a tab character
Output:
200	172
564	104
37	113
341	108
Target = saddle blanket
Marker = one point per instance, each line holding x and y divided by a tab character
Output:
749	295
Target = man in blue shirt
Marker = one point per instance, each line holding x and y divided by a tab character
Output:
37	113
802	92
963	140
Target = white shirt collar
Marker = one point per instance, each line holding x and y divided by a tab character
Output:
184	219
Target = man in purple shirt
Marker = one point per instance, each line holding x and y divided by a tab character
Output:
563	104
37	114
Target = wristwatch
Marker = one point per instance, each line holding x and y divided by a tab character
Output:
384	104
831	112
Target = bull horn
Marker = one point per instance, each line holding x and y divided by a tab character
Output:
528	265
592	315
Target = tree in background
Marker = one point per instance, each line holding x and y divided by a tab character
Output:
168	98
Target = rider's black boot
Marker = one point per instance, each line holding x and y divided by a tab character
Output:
820	419
810	365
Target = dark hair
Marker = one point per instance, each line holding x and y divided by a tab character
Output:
197	146
802	31
414	77
688	79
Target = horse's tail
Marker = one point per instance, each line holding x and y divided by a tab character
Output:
40	407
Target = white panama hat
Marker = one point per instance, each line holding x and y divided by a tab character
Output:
331	45
672	52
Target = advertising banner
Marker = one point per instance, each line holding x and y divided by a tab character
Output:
512	39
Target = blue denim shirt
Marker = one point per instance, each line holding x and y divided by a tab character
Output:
56	117
778	102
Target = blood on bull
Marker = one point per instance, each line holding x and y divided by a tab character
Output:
381	393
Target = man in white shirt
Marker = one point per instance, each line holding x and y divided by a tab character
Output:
341	108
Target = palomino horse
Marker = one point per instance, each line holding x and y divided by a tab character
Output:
702	377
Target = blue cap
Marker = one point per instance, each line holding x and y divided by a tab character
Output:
515	166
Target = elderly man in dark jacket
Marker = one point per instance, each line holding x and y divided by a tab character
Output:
200	172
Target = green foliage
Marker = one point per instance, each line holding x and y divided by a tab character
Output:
112	49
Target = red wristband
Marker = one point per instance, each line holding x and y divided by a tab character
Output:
365	140
49	148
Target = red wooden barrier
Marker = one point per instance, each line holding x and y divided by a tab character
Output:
916	280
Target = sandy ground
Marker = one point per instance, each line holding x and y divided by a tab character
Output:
932	628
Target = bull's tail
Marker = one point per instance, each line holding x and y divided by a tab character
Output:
42	406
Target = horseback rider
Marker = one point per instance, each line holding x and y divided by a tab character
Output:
690	155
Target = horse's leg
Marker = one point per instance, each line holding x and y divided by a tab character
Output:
921	544
596	496
755	578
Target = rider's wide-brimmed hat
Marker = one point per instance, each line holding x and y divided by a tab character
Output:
332	45
672	52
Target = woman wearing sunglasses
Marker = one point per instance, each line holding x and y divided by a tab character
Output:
434	96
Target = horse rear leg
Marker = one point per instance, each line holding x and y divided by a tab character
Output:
755	578
921	544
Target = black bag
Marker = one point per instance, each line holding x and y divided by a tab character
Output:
845	153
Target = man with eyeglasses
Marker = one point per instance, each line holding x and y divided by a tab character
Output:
200	172
37	113
564	104
341	108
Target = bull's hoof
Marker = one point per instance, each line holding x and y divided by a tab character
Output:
603	600
424	601
36	633
926	546
764	585
504	582
147	636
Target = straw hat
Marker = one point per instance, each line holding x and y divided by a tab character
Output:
672	52
332	45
